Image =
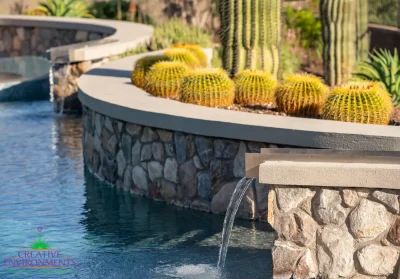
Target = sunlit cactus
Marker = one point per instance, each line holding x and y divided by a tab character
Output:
208	87
142	66
360	102
255	87
183	55
165	78
301	95
197	51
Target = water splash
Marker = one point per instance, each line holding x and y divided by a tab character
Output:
237	196
189	271
58	76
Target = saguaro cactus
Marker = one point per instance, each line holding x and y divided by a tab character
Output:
250	35
345	37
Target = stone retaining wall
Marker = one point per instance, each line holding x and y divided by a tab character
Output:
182	169
35	41
335	233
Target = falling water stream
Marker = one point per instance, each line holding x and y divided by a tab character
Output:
237	196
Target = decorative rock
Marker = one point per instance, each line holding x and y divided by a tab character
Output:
197	162
146	152
262	196
108	124
155	170
200	205
307	266
98	123
368	220
394	233
290	197
328	209
306	231
171	170
126	146
220	201
225	149
285	256
81	36
136	151
94	36
190	146
204	149
169	149
271	207
180	147
255	147
378	260
167	190
133	129
127	182
157	149
121	163
286	227
238	163
361	276
204	185
389	199
350	198
109	168
227	170
188	179
112	145
335	252
165	136
148	135
139	178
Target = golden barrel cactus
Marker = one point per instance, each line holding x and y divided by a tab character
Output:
142	66
301	95
183	55
364	102
165	78
254	87
196	50
208	87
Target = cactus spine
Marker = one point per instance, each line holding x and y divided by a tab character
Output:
301	95
164	79
208	87
360	102
196	50
254	87
345	37
183	55
142	66
250	35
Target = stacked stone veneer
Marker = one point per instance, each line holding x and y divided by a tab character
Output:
182	169
335	233
35	41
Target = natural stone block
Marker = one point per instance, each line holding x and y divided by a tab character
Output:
286	227
377	260
180	147
255	147
136	152
306	229
335	248
328	209
271	208
389	199
289	198
188	179
126	146
109	168
108	124
139	178
238	163
171	170
262	196
368	220
155	170
350	198
121	163
146	152
148	135
204	185
133	129
165	136
81	36
169	150
394	232
225	149
127	182
205	150
285	257
307	266
190	146
157	149
98	123
200	205
167	190
197	162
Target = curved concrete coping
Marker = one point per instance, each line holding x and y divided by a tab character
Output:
108	90
122	35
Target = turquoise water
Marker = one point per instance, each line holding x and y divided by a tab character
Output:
104	232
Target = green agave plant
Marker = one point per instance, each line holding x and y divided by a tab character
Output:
383	67
65	8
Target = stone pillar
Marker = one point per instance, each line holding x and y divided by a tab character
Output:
335	232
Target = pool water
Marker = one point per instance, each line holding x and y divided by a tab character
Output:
45	191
